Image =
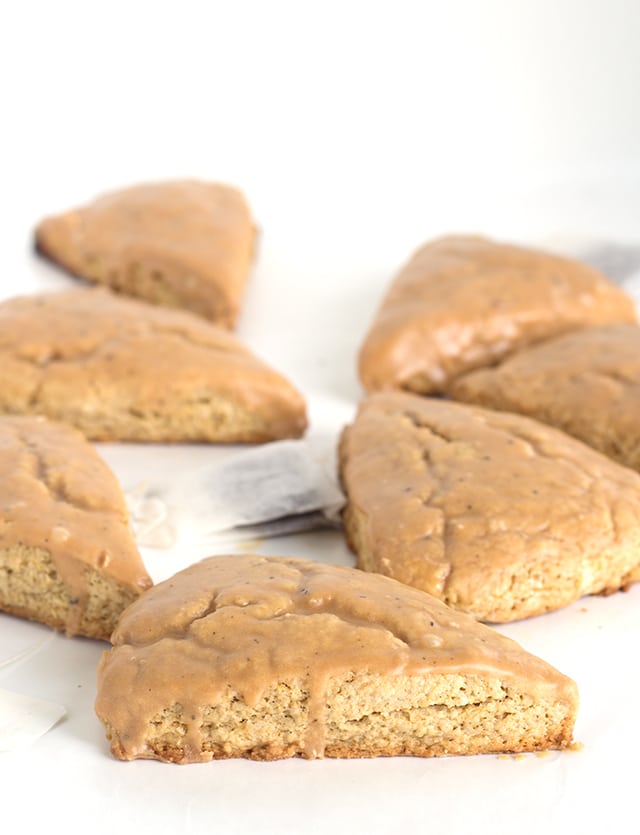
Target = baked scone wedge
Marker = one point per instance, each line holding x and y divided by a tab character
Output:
120	369
270	657
181	243
494	513
67	554
586	383
466	302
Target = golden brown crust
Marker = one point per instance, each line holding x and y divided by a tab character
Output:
119	369
463	302
264	658
183	243
586	383
67	554
494	513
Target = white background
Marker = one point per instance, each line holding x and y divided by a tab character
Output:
357	130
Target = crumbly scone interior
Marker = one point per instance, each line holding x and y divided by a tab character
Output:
31	587
368	716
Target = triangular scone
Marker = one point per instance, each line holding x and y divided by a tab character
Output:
182	243
463	302
67	554
494	513
120	369
586	383
258	657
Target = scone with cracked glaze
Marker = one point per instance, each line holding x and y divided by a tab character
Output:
586	383
494	513
268	657
67	554
121	369
464	302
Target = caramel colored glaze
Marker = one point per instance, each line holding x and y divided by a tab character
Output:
494	513
57	494
586	383
183	243
240	624
83	355
464	302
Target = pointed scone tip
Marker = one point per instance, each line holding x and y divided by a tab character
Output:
493	513
67	554
466	302
267	657
586	383
120	369
183	243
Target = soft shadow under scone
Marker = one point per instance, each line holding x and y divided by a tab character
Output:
247	656
182	243
465	302
586	383
120	369
494	513
67	554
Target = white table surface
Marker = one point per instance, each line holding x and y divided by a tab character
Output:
355	140
69	771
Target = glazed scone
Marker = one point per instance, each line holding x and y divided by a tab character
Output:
67	554
586	383
120	369
495	514
268	657
465	302
183	243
